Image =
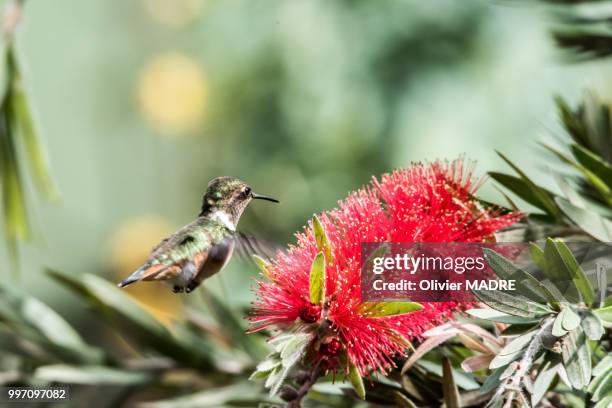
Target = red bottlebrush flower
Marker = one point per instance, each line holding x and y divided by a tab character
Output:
423	203
310	313
330	348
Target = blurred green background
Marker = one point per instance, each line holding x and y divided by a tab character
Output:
141	102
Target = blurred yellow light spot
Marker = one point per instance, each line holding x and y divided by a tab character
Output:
173	13
172	94
130	246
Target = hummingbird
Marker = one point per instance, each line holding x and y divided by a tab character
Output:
202	248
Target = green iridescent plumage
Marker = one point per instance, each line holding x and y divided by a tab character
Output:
201	248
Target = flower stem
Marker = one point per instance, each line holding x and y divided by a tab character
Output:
301	393
514	386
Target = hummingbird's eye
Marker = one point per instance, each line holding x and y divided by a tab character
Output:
246	192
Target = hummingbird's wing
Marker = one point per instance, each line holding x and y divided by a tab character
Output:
190	244
248	245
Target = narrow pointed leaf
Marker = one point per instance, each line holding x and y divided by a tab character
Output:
545	198
507	270
578	275
506	303
90	375
501	317
522	189
518	344
429	344
591	222
295	348
492	381
356	380
603	366
604	387
317	279
605	314
476	363
33	148
543	382
323	244
604	403
278	378
502	360
137	325
262	265
576	358
449	387
402	401
591	177
537	255
34	321
384	309
594	163
572	195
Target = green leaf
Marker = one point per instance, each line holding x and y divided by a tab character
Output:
37	159
90	375
568	191
506	303
502	360
262	265
555	270
603	386
276	379
604	403
242	394
492	381
575	270
384	309
402	401
537	255
544	197
449	387
518	344
507	270
516	329
589	221
356	380
576	358
264	368
605	314
604	366
523	189
594	164
501	317
543	382
557	329
295	348
592	178
317	280
571	320
323	244
36	322
4	69
13	196
133	322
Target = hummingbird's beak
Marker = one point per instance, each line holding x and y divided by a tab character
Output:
263	197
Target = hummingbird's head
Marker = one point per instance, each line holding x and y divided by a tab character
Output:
226	198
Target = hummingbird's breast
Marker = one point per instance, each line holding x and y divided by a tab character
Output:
218	256
211	262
